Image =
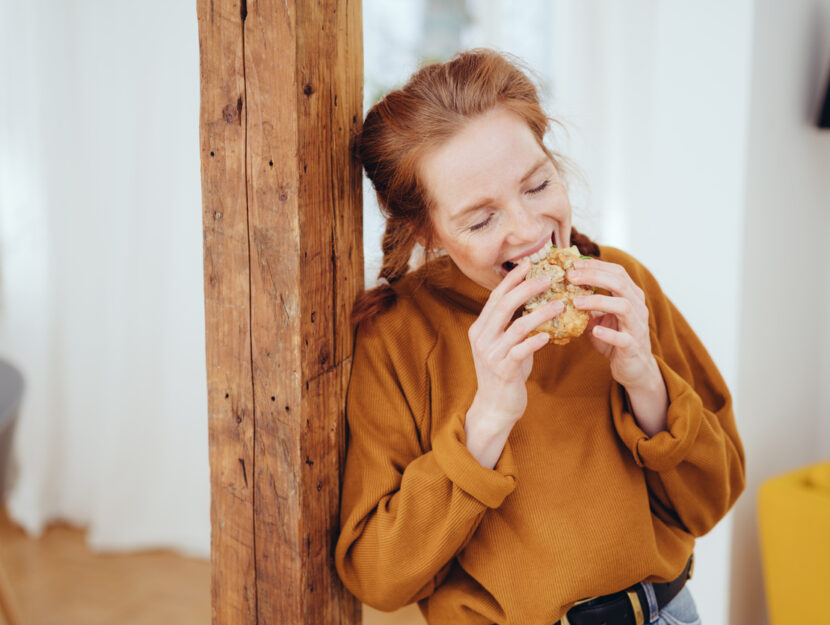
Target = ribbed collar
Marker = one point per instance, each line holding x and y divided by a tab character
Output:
446	278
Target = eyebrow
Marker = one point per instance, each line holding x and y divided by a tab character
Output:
485	201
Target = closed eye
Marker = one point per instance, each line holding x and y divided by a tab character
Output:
481	224
540	187
486	222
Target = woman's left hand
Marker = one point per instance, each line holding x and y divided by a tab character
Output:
620	332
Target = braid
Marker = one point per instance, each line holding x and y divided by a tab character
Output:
398	242
584	244
397	247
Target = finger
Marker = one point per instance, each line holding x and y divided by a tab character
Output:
609	276
530	345
503	310
622	340
603	319
621	307
525	324
513	278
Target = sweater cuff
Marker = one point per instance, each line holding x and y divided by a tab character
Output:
666	449
489	486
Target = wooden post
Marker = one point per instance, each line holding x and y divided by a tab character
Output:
281	93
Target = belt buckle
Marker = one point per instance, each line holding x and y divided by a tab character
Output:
639	618
634	600
564	620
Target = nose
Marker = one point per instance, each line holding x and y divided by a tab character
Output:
524	226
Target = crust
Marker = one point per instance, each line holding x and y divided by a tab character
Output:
572	322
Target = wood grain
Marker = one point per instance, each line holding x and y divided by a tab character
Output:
227	312
281	97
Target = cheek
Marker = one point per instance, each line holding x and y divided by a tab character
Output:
489	255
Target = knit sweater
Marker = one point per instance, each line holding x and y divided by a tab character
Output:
581	502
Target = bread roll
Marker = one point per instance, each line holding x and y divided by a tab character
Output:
571	322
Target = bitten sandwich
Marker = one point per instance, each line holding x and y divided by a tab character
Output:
571	322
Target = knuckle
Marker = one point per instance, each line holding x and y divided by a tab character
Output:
526	326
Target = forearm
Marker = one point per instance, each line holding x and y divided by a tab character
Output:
649	402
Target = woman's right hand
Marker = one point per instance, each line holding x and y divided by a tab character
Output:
503	357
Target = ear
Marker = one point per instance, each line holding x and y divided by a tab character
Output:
420	238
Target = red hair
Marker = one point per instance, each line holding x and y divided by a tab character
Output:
429	109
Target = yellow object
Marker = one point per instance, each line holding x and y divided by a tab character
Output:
794	520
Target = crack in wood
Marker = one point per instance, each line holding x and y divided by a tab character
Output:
244	472
327	370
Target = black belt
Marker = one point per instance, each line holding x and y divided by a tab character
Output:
627	607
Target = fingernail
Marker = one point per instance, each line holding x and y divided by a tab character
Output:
543	280
579	301
574	275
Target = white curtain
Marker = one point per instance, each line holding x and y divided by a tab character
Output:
101	269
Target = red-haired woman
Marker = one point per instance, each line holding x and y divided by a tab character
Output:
491	477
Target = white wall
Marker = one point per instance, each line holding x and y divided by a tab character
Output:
684	217
784	341
657	97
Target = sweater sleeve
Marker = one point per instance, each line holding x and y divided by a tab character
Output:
695	468
406	512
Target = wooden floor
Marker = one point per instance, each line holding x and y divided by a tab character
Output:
57	580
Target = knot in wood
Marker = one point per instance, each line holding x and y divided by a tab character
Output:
233	114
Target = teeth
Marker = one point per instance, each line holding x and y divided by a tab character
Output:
537	256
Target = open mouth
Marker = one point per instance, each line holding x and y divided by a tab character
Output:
510	265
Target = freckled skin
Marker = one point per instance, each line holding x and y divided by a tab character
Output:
488	158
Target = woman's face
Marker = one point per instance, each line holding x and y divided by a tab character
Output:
497	196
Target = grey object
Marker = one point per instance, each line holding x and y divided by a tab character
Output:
11	392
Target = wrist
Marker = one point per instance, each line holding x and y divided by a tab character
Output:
649	402
486	433
648	384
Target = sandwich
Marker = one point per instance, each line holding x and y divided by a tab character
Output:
571	322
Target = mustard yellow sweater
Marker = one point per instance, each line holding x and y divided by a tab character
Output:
581	503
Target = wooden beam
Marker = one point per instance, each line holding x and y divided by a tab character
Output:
281	95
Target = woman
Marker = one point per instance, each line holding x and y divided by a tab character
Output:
491	477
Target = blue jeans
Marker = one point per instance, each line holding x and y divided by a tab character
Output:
679	611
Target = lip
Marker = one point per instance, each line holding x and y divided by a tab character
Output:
532	250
